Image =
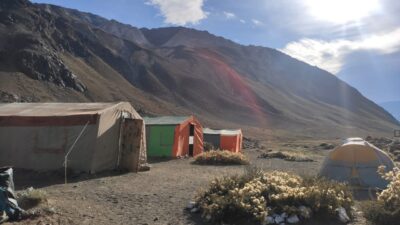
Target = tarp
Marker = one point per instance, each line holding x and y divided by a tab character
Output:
357	162
230	140
165	120
38	135
8	203
160	139
169	136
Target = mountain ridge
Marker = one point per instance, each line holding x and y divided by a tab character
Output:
179	70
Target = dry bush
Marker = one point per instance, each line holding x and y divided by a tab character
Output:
386	210
252	197
30	198
224	157
286	155
208	146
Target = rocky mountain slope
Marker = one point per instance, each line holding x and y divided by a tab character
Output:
392	107
49	53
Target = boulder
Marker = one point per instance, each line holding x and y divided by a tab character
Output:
342	214
305	212
293	219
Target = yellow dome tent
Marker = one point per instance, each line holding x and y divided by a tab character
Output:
356	162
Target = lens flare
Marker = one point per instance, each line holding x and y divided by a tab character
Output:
239	86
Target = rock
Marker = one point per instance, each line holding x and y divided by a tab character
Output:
269	220
191	205
278	219
342	214
305	212
46	65
293	219
195	210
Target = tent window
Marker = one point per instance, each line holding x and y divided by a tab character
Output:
51	140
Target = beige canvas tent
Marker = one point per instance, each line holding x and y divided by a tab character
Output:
101	136
356	162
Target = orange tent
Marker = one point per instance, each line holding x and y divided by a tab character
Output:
230	140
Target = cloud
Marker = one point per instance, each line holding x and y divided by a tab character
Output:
242	21
256	22
330	55
180	12
229	15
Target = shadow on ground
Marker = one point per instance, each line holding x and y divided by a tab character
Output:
28	178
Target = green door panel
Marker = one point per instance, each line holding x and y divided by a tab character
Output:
160	140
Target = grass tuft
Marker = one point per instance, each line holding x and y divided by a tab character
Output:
31	198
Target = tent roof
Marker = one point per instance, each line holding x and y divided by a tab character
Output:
221	132
54	109
165	120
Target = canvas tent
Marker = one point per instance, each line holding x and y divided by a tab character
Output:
38	135
356	162
224	139
173	136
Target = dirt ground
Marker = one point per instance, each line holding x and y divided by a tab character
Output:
158	196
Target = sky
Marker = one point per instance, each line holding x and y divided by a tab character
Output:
356	40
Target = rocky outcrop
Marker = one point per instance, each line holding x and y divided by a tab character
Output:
47	67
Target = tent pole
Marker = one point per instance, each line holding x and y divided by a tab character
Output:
70	150
120	139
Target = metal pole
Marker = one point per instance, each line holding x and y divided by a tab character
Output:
70	150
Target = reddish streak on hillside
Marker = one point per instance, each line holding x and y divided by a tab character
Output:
238	85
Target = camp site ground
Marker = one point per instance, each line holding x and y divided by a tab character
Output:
158	196
101	189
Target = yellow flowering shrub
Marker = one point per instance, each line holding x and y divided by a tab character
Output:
255	196
221	157
386	210
391	195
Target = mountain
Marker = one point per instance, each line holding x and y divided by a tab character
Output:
50	53
392	107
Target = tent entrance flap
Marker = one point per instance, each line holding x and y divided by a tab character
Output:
191	139
131	142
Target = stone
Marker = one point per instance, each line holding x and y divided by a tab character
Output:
195	210
269	220
191	205
342	214
278	219
305	212
293	219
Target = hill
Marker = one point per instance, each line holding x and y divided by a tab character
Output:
58	54
392	107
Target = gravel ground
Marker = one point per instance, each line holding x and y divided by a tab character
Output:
157	196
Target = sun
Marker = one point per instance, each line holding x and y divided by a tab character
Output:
342	11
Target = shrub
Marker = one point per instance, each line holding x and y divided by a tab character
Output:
285	155
30	198
224	157
386	210
377	213
254	196
208	146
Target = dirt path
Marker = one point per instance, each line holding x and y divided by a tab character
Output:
154	197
